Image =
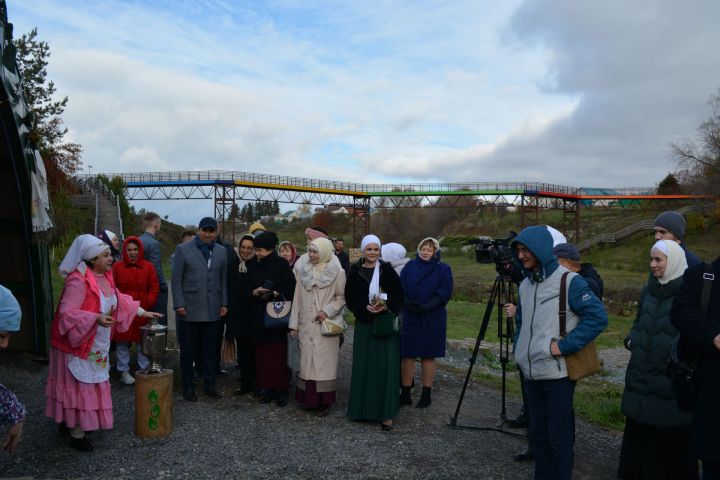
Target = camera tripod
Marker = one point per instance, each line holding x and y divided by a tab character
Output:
502	293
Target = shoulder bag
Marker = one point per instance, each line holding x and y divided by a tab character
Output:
685	354
331	326
584	362
385	324
277	314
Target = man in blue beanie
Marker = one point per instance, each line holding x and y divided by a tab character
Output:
671	226
540	351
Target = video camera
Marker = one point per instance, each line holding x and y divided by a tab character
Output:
498	251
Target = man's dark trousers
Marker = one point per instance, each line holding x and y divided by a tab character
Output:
198	336
552	427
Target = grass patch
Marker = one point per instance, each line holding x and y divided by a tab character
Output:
596	400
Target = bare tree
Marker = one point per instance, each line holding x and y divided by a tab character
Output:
699	159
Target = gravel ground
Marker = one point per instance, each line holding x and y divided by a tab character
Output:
241	438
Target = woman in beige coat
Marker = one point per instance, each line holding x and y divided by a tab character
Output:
320	294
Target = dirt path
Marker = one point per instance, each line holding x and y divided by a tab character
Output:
240	438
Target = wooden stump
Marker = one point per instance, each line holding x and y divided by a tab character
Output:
153	404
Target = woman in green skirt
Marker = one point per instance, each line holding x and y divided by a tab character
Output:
372	291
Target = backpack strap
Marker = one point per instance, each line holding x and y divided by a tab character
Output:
562	308
708	278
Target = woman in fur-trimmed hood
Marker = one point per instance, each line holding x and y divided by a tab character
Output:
320	294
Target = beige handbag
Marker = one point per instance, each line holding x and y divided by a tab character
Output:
584	362
331	326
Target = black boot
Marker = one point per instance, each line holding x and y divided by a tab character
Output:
282	399
405	397
425	400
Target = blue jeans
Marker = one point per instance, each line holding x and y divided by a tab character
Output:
552	427
198	336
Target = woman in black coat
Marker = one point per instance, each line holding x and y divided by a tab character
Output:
272	280
686	316
242	328
373	288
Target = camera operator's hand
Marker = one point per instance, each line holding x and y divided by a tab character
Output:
509	310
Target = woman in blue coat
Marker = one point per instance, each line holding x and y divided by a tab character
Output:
428	285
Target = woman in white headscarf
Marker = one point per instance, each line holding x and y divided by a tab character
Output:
89	311
395	255
373	288
657	432
319	295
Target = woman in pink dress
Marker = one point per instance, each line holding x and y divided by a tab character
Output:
90	309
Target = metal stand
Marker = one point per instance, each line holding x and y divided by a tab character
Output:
502	293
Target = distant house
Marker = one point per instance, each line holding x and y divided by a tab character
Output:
340	209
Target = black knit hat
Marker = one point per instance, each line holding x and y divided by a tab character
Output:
673	222
267	240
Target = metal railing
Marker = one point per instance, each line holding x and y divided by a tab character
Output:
353	187
92	184
625	232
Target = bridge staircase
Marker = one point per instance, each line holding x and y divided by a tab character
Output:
623	233
94	195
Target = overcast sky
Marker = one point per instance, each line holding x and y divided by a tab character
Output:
576	93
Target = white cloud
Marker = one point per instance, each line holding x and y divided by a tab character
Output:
382	91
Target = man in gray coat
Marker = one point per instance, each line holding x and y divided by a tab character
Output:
151	247
200	298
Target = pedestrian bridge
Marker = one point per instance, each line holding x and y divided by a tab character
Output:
227	188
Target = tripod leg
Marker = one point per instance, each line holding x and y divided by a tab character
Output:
505	337
478	341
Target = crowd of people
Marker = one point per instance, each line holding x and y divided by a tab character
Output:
273	304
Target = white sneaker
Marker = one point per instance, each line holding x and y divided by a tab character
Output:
126	378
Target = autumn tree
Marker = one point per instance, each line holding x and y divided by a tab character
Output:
700	158
47	131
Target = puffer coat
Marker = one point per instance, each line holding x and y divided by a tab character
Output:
648	397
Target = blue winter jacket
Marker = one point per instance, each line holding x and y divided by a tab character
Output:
537	321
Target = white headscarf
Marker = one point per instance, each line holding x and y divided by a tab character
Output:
676	263
84	247
392	252
374	289
435	243
324	272
556	235
110	235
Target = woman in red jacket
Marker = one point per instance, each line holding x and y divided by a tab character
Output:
136	277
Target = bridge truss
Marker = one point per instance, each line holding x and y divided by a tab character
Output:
226	188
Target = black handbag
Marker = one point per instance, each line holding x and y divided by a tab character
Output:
681	370
277	315
385	324
685	354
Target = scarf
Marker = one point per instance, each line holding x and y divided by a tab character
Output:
676	263
314	234
84	248
205	248
392	252
10	313
374	290
324	272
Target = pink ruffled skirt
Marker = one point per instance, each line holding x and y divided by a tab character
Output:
88	405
